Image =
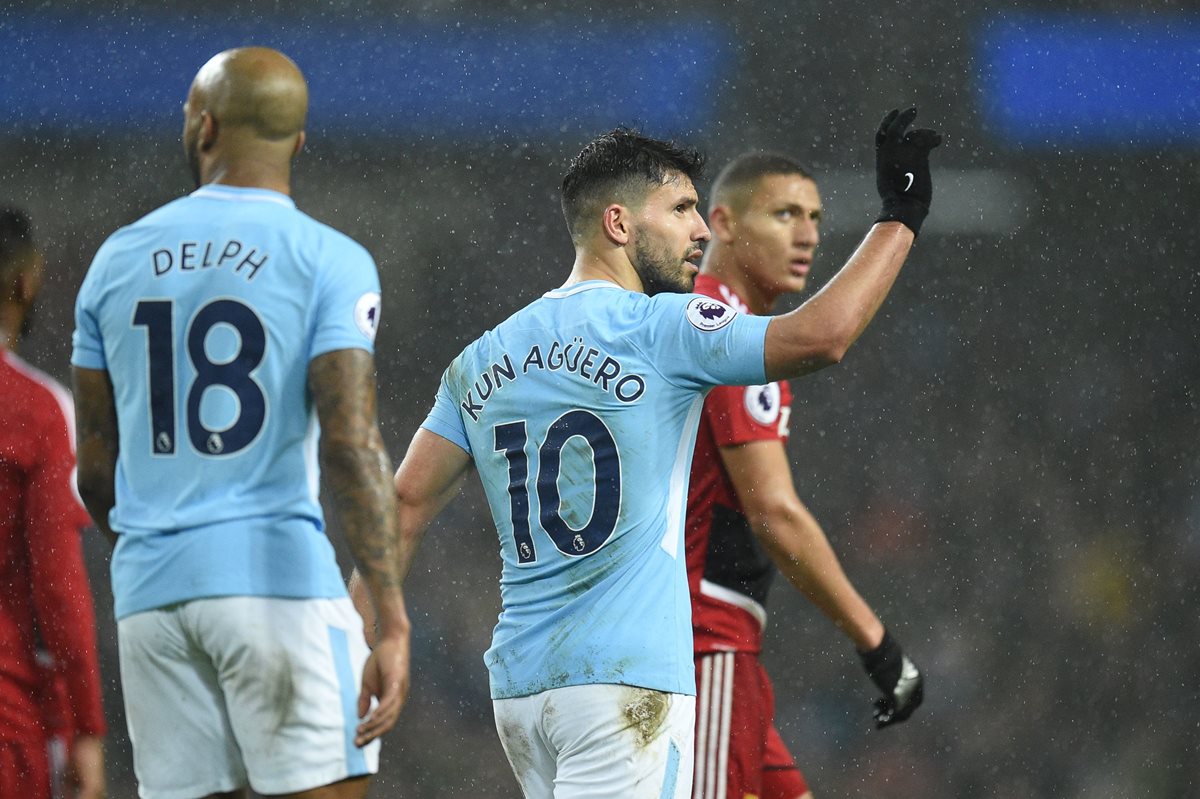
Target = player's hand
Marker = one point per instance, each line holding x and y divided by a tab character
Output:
85	768
385	678
902	169
897	677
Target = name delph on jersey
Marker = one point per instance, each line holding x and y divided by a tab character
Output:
191	256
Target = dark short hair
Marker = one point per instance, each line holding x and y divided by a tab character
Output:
16	233
619	165
749	168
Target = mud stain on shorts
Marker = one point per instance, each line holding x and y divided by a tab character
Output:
646	713
518	748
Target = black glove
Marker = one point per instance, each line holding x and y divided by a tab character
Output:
897	677
902	169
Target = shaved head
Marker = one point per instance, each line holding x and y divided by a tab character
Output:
246	100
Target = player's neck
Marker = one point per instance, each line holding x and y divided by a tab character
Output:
615	269
250	175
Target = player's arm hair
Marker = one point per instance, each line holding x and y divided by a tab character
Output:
762	479
819	332
357	471
97	444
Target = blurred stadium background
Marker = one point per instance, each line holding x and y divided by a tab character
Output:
1006	462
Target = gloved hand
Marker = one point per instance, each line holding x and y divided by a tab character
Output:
902	169
897	677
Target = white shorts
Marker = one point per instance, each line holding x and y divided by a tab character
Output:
227	690
599	742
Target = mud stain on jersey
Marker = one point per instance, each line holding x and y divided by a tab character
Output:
646	713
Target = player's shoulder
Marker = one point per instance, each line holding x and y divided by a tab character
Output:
699	311
144	225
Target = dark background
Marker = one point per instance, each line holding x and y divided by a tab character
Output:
1005	462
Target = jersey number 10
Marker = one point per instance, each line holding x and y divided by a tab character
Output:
606	469
234	374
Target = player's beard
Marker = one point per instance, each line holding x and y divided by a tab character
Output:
660	270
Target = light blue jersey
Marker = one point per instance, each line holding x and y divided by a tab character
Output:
580	412
206	313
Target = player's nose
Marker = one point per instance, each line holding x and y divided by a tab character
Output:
700	231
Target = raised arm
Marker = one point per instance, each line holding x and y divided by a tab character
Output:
356	469
762	479
818	333
96	444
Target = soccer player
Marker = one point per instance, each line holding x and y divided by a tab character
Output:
211	337
49	676
743	511
579	412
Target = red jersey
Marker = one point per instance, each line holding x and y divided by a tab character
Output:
45	601
729	572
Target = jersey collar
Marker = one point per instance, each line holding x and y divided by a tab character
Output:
214	191
587	285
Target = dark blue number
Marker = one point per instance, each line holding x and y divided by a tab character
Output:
155	316
235	375
606	487
510	439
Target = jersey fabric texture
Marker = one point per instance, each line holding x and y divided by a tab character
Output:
49	677
729	573
580	412
206	314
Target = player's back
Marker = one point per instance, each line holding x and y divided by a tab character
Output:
580	412
206	314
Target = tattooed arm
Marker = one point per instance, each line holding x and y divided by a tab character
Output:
96	445
356	470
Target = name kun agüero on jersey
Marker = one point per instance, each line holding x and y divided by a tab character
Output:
191	256
574	357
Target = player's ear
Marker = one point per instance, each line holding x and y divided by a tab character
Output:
616	224
299	145
723	224
208	130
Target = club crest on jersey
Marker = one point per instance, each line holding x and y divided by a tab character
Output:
763	403
366	314
709	315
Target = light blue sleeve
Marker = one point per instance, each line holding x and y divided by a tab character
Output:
698	342
87	349
347	301
445	420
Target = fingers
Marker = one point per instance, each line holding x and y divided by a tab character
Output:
385	678
888	119
382	718
924	138
900	124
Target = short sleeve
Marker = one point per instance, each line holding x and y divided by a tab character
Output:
698	342
347	302
87	345
445	420
741	414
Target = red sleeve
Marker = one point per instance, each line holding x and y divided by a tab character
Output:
740	414
61	595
